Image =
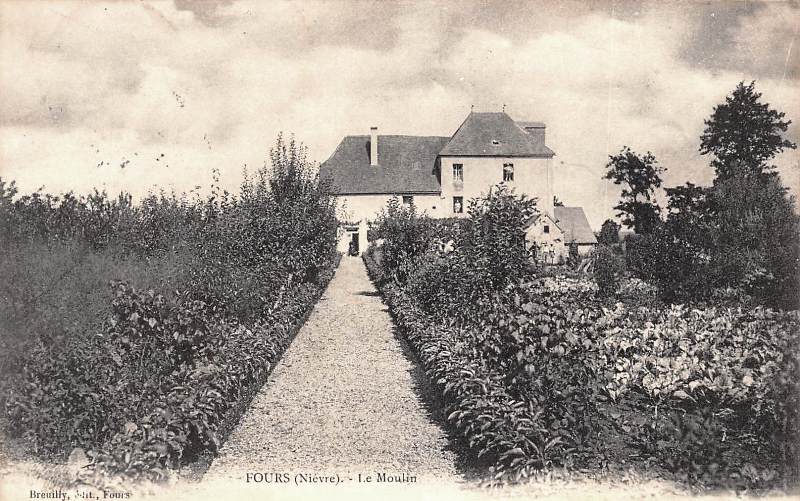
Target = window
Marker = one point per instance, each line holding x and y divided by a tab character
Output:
458	172
547	228
508	172
408	199
458	205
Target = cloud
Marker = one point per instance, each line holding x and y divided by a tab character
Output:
751	35
206	12
209	85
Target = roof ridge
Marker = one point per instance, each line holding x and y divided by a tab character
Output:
494	134
397	135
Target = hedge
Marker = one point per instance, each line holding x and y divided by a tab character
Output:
143	421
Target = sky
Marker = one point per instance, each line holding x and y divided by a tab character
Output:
145	95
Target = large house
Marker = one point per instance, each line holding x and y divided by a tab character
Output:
440	174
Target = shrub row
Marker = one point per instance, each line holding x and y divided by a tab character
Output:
185	417
151	383
711	394
517	436
189	373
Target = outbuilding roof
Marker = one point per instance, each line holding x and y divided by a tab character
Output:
495	134
573	222
406	164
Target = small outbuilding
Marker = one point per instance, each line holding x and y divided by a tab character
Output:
552	235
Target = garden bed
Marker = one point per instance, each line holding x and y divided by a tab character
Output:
556	377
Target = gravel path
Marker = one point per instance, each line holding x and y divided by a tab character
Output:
345	399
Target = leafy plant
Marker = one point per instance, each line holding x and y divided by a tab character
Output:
608	269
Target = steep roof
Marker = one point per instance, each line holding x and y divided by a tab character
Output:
540	215
406	164
494	134
572	220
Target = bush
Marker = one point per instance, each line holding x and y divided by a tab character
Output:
493	239
544	372
406	234
609	233
608	269
494	343
149	381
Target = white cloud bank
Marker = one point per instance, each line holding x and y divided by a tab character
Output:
90	82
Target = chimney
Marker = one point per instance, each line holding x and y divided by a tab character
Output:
373	146
536	130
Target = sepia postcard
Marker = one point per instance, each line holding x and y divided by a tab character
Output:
379	249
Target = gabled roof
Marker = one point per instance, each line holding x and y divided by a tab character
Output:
572	220
541	217
406	164
494	134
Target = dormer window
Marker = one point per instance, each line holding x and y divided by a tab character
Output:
508	172
495	142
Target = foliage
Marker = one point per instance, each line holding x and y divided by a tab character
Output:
544	373
527	400
573	257
609	233
608	269
494	237
146	380
739	237
741	233
757	238
701	375
640	175
406	234
676	256
744	134
517	436
489	251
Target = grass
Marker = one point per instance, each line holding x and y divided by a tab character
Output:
52	291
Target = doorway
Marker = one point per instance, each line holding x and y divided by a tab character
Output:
353	247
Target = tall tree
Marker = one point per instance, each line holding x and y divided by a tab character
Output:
742	232
639	175
744	134
756	241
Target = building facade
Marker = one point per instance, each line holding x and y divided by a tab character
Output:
440	174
